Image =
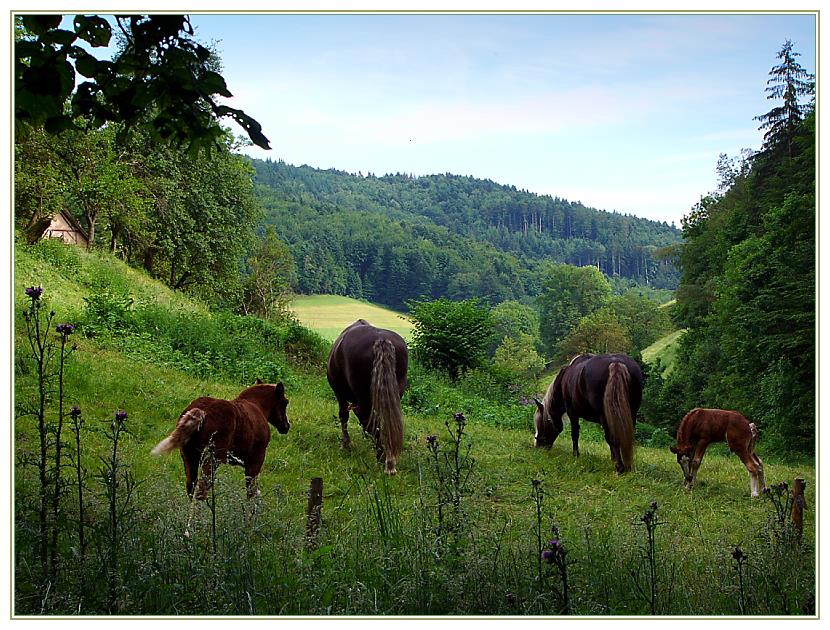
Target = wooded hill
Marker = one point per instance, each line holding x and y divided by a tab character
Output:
399	237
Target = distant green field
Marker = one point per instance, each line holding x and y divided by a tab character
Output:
665	349
328	315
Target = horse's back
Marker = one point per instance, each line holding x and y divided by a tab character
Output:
585	379
230	424
352	357
716	425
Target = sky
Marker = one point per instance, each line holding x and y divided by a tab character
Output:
623	112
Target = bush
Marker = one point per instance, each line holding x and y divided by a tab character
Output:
649	435
107	312
451	336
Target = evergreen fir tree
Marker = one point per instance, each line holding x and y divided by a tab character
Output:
788	81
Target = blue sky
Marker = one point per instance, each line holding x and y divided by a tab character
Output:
626	112
623	112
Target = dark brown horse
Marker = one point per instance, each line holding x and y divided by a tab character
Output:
605	388
367	371
700	427
236	431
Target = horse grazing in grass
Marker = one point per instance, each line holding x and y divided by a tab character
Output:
604	388
367	371
235	432
700	427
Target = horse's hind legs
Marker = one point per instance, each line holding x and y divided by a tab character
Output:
205	482
343	413
761	481
252	487
756	473
615	450
575	435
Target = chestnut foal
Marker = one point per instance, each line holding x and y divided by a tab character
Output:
236	431
700	427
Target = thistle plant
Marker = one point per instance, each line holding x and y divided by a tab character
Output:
452	468
538	498
64	330
77	427
779	496
37	329
740	559
119	487
649	593
555	554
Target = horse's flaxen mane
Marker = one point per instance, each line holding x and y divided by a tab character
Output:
547	401
584	354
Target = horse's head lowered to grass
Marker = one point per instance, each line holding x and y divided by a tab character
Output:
604	388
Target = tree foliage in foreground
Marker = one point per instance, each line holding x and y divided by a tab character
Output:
161	79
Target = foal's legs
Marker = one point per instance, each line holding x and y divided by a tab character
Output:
251	472
700	449
756	471
191	459
761	481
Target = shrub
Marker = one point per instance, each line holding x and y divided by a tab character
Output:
107	312
451	336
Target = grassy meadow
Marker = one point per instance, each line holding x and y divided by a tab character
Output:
664	349
458	531
328	315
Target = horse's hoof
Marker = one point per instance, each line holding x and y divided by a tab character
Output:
392	472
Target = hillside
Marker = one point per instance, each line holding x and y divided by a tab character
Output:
328	315
664	349
394	238
385	546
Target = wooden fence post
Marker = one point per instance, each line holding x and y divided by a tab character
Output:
799	503
313	512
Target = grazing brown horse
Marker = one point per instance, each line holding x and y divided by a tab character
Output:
236	431
700	427
603	388
367	371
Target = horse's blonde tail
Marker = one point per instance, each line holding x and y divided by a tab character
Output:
386	402
188	423
618	412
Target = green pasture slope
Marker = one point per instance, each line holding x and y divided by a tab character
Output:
664	349
382	549
328	315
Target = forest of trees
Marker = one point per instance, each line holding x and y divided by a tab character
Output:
397	237
748	288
